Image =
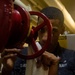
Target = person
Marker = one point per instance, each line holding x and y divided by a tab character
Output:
67	57
66	64
56	60
13	65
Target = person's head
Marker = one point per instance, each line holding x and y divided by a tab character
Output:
57	19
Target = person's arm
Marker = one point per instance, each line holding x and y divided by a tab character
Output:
8	57
52	62
53	69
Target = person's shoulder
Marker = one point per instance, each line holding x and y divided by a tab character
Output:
69	52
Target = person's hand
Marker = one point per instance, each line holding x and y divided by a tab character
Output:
47	60
8	57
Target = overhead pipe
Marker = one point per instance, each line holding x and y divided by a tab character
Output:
20	3
68	19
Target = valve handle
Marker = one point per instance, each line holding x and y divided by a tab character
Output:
33	32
